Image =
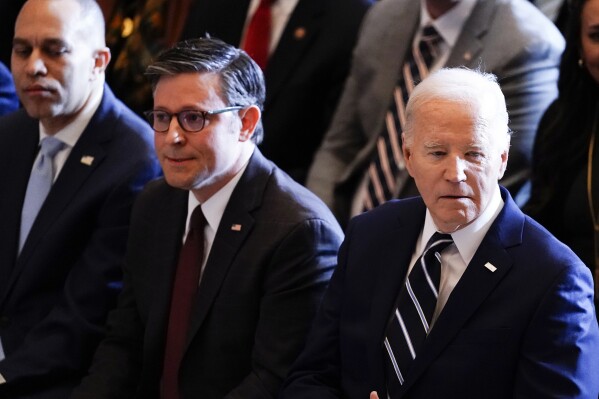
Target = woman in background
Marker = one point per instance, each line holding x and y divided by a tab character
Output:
565	178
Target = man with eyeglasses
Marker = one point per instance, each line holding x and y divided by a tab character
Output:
264	250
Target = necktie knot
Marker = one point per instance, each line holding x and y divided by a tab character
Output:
50	146
197	221
438	242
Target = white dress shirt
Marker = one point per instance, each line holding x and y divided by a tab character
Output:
456	257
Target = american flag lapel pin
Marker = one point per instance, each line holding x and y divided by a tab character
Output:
87	160
236	227
489	266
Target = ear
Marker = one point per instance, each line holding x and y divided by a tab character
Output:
407	154
504	158
249	120
101	60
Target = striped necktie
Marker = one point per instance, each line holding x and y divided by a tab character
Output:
411	320
386	173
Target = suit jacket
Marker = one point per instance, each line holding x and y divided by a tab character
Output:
55	296
259	291
527	330
305	73
509	38
8	96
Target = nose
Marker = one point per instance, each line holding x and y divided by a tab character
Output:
174	134
455	170
35	64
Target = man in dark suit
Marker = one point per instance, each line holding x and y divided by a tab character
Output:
509	38
60	265
264	253
307	66
504	311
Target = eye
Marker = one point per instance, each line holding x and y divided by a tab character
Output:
161	116
193	117
437	154
21	50
55	50
475	154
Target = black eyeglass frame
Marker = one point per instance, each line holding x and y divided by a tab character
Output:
150	117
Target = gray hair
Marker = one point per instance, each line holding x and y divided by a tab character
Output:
463	85
242	80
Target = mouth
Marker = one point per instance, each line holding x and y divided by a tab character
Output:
177	160
38	89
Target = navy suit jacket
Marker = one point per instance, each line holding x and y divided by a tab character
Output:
527	330
54	296
259	291
304	75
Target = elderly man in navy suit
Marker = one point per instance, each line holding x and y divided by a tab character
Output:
71	163
492	307
228	257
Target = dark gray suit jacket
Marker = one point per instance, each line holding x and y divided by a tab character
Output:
259	291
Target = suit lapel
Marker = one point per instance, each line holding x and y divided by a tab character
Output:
246	197
87	154
167	228
17	159
300	32
474	287
470	42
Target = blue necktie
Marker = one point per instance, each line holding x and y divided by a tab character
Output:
40	182
411	321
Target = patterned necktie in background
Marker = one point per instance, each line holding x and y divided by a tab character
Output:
411	321
257	37
386	173
185	287
40	183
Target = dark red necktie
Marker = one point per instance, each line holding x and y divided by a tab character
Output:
185	287
257	37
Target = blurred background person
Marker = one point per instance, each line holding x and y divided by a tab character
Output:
8	96
565	179
303	46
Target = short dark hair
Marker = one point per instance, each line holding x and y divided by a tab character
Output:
242	80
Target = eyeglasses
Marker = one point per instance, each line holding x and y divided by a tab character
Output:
190	120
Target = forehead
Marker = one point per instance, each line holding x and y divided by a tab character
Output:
188	89
590	12
49	19
446	122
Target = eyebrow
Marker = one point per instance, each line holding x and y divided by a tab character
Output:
46	42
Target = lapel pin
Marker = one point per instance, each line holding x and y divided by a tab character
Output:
299	33
467	55
236	227
87	160
490	267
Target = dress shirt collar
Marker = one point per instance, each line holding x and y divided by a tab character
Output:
71	133
450	24
214	207
467	239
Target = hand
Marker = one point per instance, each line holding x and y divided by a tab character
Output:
374	395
